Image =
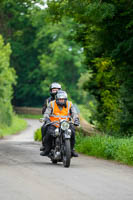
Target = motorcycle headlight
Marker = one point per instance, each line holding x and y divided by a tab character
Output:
65	126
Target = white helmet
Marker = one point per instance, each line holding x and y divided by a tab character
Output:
52	86
61	95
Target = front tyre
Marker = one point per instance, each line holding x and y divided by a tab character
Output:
67	153
54	161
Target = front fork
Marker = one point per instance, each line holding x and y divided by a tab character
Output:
57	150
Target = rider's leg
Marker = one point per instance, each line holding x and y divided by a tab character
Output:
48	140
74	154
43	132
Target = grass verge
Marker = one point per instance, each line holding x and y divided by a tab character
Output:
18	124
107	147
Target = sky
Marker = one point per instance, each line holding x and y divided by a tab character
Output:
43	7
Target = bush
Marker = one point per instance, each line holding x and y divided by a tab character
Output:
124	152
120	149
94	146
7	79
38	135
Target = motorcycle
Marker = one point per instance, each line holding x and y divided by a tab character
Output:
61	145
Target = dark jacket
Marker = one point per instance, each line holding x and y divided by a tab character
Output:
46	102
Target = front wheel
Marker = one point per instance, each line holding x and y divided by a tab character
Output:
54	161
67	153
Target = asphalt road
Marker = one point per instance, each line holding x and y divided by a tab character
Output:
25	175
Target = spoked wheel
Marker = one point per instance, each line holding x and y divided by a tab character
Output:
67	153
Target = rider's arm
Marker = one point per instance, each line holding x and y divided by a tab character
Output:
73	112
75	116
44	107
48	111
46	104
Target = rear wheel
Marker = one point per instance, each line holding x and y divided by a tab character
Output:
67	153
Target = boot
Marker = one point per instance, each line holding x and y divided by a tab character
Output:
73	153
42	148
46	150
44	153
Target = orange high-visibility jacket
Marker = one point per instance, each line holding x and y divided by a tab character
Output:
60	114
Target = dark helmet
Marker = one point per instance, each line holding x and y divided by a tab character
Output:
61	95
53	86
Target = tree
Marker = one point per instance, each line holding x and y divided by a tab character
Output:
36	51
61	59
7	79
106	34
16	27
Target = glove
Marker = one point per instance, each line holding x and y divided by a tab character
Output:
76	122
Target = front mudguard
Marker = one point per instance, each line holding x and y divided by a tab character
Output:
67	134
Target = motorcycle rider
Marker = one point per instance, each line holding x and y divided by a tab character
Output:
54	88
55	110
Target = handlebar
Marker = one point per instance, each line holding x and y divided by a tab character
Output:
42	120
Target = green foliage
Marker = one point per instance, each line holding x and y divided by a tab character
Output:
125	151
38	135
85	111
16	27
41	52
108	106
60	58
106	147
7	78
17	125
106	34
